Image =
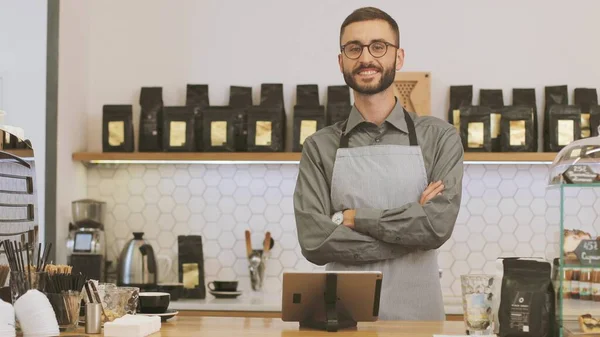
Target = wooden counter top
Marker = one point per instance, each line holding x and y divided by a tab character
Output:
188	326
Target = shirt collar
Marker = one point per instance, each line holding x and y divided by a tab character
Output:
396	118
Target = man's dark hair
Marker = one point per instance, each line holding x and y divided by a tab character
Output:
371	13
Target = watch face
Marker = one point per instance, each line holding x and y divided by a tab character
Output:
338	218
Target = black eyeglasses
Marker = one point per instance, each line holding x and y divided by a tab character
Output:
353	50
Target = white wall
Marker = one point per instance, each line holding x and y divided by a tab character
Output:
23	27
499	44
123	45
72	116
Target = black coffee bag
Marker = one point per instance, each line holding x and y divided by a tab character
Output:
338	103
191	266
271	95
553	95
460	96
266	123
307	95
266	129
240	98
594	119
585	98
178	129
151	103
475	128
526	97
516	129
196	98
527	299
221	127
492	98
117	128
565	126
309	115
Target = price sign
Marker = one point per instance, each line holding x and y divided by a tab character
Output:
580	174
588	252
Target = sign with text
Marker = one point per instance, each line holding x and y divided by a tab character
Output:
580	174
588	252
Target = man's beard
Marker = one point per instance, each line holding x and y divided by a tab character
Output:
387	78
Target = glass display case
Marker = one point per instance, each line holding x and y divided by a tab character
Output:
574	179
577	163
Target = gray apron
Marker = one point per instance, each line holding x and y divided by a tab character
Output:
385	177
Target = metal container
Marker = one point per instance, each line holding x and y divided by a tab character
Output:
137	263
88	213
93	318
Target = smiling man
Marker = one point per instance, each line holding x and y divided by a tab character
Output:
380	191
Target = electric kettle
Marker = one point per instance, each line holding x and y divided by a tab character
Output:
137	264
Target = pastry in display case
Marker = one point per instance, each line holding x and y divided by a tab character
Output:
577	163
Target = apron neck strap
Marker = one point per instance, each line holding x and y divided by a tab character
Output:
412	135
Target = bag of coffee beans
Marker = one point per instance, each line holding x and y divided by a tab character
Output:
527	299
553	95
117	128
266	123
151	114
309	115
460	96
338	103
475	128
492	98
516	129
266	129
526	97
564	125
585	98
178	129
197	96
594	119
240	99
197	99
221	127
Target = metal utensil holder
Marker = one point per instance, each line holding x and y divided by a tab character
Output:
257	264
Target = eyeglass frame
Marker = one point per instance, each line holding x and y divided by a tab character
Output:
387	45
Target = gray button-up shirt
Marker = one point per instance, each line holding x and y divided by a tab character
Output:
419	227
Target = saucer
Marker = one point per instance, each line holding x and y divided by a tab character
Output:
170	313
225	294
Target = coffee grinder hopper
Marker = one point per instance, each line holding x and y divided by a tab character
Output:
88	214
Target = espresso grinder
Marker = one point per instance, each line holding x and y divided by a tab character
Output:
86	245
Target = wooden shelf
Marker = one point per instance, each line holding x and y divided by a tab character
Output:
283	157
510	156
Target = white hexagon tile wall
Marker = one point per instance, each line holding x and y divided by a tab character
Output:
506	211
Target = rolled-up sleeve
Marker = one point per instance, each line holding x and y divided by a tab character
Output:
321	240
425	226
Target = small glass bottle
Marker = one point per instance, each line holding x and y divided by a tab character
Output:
596	285
575	284
585	284
566	284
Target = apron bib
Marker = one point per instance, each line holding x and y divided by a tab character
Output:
385	177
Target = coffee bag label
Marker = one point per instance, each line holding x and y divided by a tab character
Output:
520	311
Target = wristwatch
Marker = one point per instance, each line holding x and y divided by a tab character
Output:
338	217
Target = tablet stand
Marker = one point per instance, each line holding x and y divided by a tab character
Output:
336	316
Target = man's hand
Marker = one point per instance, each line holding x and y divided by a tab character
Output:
431	191
349	215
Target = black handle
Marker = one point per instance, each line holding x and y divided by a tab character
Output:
7	155
148	251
